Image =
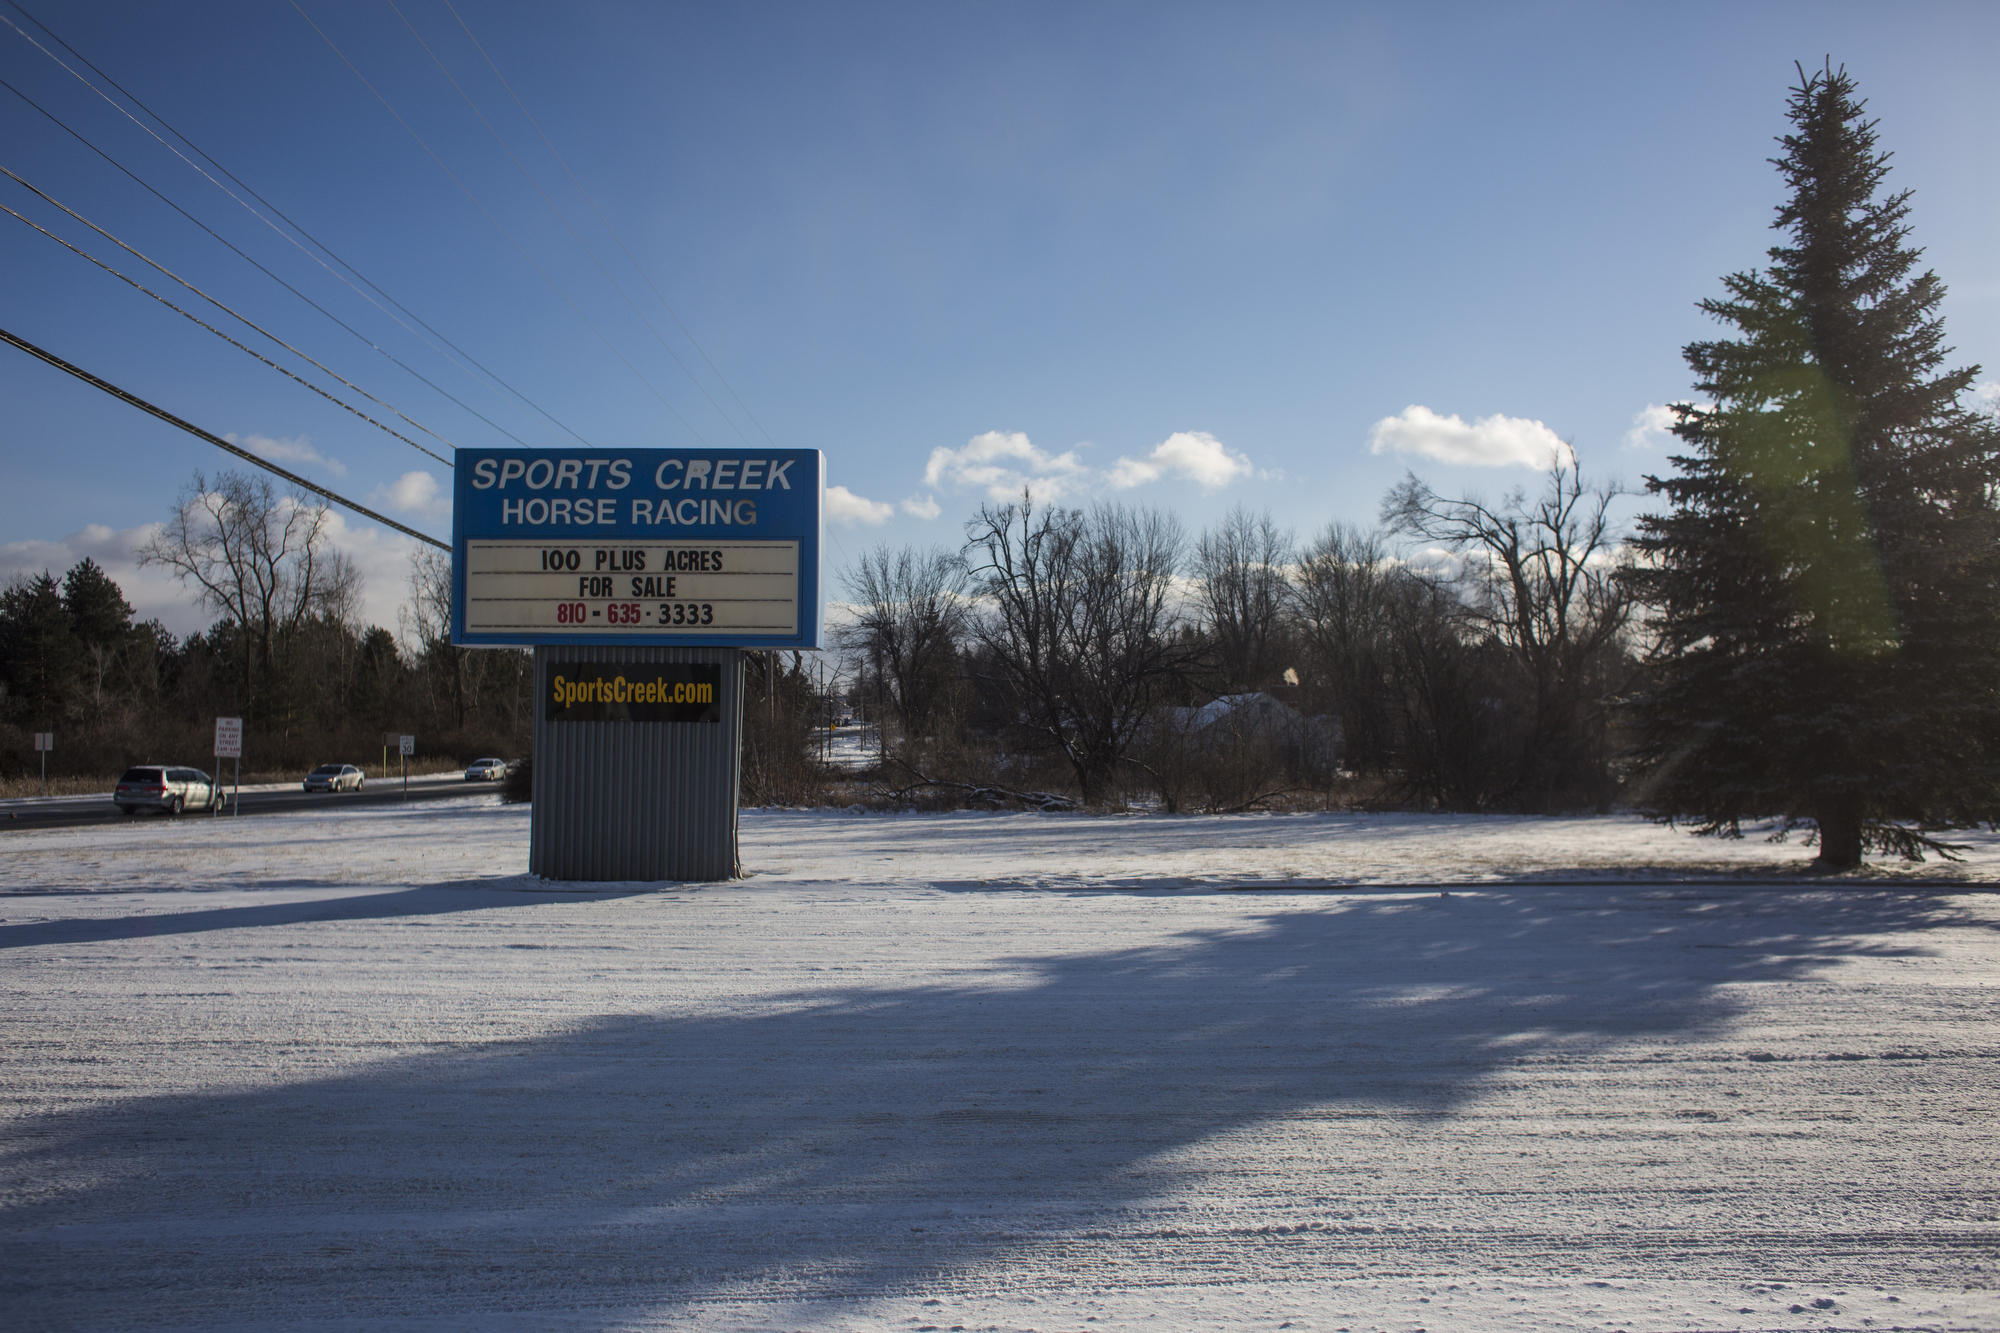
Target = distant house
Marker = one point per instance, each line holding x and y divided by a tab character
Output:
1304	744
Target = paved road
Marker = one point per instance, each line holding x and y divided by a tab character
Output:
72	812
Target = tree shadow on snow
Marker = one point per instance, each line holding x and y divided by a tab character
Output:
424	900
864	1141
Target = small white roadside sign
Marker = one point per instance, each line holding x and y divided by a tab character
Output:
229	745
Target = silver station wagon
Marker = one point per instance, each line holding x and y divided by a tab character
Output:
334	777
164	787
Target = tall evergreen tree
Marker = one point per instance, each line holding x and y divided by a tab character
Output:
39	653
96	606
102	619
1827	574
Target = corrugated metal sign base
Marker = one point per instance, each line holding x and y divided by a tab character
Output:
637	800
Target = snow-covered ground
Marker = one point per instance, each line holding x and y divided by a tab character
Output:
351	1068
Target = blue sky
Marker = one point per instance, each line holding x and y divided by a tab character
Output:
1187	256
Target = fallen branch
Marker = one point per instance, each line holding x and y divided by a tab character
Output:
1046	801
1254	800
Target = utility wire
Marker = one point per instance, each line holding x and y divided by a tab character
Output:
476	202
563	218
215	440
225	309
483	369
225	337
253	263
664	303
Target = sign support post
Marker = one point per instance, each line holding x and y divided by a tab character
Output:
44	742
640	578
405	747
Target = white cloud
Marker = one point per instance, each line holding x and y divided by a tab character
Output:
1193	454
1652	427
1494	441
415	493
382	556
844	506
289	449
1435	561
840	614
152	594
1003	463
1987	396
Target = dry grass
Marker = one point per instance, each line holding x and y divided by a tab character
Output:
59	785
419	768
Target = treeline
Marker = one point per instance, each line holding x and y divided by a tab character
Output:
1101	657
285	653
1108	655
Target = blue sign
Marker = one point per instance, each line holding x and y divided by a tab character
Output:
698	547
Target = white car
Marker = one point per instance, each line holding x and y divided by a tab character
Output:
334	777
486	770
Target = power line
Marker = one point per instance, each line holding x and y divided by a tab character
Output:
253	263
564	219
225	309
216	440
259	267
477	203
274	227
77	250
640	268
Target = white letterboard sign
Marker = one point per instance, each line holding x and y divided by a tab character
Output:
639	546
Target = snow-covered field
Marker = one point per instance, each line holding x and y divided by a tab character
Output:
352	1069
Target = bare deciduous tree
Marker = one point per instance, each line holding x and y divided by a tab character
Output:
425	621
1240	575
1540	579
1342	597
911	612
1080	617
259	558
1446	698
